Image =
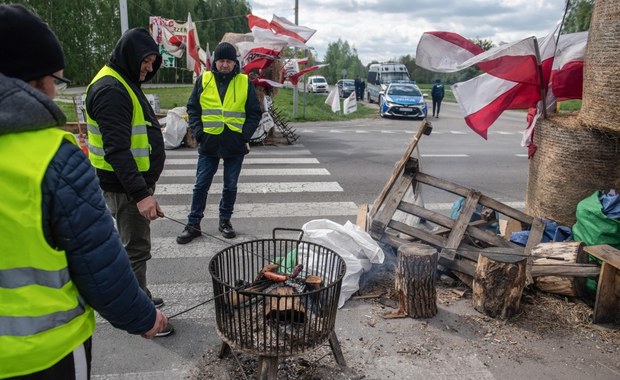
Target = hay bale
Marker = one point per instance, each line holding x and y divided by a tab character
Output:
572	161
601	74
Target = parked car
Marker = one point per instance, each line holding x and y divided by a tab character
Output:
403	99
317	83
345	87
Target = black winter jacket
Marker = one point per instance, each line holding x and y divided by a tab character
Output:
109	104
75	218
228	143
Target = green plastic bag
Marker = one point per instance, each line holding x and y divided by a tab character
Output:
593	227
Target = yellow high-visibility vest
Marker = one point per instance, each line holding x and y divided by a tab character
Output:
42	316
231	113
140	147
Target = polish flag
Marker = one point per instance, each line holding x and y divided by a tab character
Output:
282	26
483	99
449	52
278	31
567	70
193	46
256	56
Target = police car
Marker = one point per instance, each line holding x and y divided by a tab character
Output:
402	99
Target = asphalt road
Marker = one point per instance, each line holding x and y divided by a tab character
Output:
334	168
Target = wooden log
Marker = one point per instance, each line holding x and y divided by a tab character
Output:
415	280
558	254
498	283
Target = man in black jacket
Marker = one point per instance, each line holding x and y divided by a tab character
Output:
437	93
61	256
126	145
223	112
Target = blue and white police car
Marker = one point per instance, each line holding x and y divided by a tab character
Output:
402	99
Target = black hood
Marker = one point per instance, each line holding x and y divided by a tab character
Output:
135	45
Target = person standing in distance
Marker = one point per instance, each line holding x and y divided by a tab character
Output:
223	112
437	93
126	145
61	255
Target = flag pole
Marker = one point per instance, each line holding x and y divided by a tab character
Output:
543	87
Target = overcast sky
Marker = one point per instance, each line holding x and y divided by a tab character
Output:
384	29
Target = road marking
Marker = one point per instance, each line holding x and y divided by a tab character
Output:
268	210
389	132
336	131
250	172
521	154
458	132
445	155
172	374
249	161
359	131
504	133
256	188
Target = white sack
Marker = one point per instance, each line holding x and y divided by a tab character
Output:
175	127
356	247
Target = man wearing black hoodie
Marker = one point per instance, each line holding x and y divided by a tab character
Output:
223	112
126	145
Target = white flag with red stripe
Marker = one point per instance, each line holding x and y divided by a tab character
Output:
193	47
282	26
278	31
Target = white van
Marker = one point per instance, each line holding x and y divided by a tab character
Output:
382	74
317	83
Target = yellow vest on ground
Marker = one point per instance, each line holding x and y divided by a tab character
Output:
140	147
231	113
42	316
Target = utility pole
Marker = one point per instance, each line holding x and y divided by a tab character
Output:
124	23
295	92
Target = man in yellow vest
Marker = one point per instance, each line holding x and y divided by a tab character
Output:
224	113
126	145
60	255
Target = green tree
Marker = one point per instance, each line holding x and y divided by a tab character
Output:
340	55
578	16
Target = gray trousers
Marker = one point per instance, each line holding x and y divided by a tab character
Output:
135	233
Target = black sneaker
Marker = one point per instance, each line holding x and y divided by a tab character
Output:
227	229
190	232
158	302
168	330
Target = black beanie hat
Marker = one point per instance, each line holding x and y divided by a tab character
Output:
30	49
225	51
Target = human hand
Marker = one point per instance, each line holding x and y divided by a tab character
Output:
161	321
149	208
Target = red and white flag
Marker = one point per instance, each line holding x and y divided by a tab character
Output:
255	56
193	47
293	76
449	52
567	70
282	26
278	31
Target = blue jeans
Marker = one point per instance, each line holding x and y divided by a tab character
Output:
205	170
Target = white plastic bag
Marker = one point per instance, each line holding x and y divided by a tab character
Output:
358	250
175	127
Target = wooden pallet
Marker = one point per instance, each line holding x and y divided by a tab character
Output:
450	238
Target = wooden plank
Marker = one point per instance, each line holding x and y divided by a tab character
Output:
606	253
464	191
567	270
536	233
390	204
400	166
362	220
417	233
459	227
607	304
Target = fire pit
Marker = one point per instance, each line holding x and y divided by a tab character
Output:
276	298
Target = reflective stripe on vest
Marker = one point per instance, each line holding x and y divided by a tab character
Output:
140	148
42	316
215	114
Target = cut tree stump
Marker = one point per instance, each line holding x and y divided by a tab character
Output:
498	283
416	271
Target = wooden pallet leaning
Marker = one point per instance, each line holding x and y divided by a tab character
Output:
455	253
